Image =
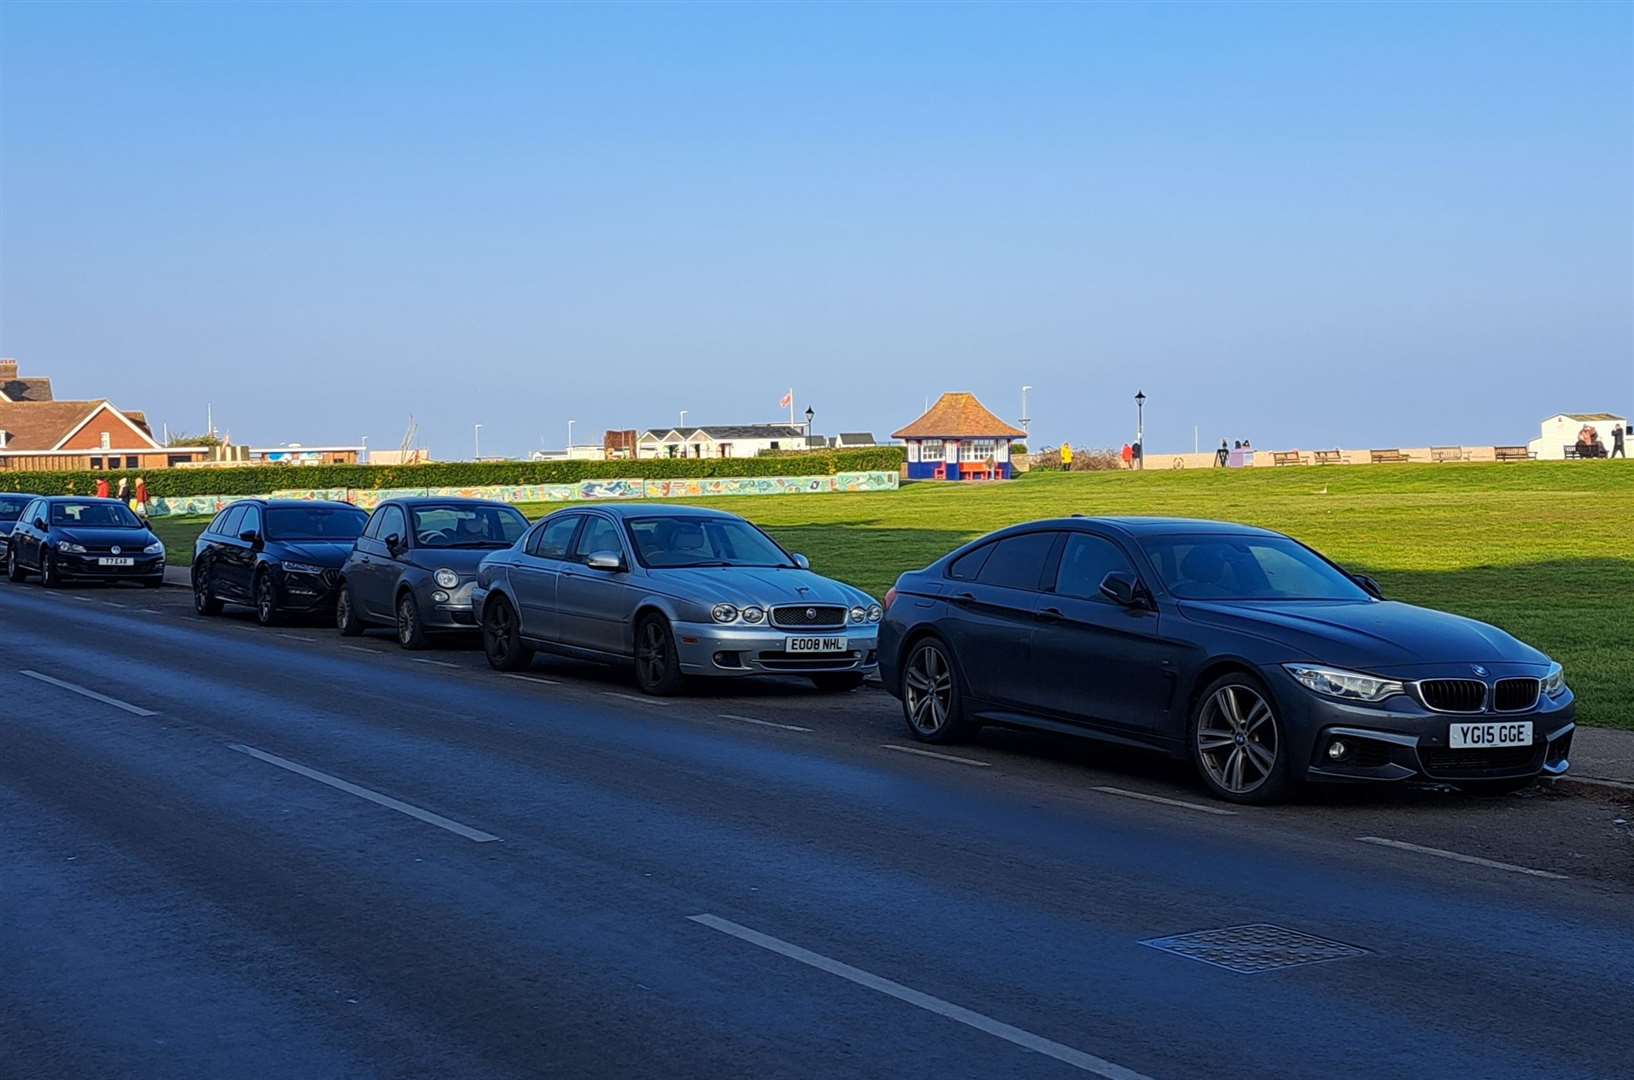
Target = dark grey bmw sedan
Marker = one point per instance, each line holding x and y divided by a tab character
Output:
1240	649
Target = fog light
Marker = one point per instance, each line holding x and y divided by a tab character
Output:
1337	750
440	597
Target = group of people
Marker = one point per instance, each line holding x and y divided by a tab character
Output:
136	498
1590	446
1222	456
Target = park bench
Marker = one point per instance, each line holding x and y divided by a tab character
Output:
1287	457
1438	454
1570	450
1331	457
1387	457
1511	453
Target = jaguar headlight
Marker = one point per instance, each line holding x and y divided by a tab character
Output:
1554	683
1344	685
754	615
446	578
875	613
724	613
859	614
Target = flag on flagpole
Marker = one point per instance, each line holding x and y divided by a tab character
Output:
786	400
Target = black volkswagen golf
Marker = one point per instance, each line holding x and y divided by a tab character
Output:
1240	649
277	555
68	538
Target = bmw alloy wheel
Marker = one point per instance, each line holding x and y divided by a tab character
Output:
927	689
1237	739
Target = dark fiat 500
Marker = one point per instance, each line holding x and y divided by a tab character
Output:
1240	649
64	538
414	565
278	556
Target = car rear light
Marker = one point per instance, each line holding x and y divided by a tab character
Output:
890	597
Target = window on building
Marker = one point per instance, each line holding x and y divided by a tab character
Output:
976	450
132	461
96	463
106	441
776	445
931	450
174	460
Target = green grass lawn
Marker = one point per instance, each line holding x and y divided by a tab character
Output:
1544	550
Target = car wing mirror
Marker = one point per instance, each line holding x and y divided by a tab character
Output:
249	536
1123	589
610	561
39	523
1368	585
802	562
394	543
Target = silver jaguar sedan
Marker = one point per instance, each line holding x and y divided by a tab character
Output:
680	591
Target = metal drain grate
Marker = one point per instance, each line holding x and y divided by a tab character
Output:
1254	948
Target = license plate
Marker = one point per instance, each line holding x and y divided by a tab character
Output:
107	561
1466	736
814	644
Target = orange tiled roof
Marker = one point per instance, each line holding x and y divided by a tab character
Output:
40	425
959	416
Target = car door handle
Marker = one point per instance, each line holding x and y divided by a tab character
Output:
964	598
1049	614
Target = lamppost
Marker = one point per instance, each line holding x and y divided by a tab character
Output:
809	415
1140	429
476	435
1026	421
570	424
683	418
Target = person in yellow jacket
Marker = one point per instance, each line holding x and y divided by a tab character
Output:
1066	457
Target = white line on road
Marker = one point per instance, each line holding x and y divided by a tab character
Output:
361	649
637	700
295	637
135	710
364	793
1473	860
1141	795
529	678
114	603
934	754
762	723
150	611
85	599
438	663
1025	1039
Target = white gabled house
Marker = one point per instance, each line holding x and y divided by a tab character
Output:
1559	433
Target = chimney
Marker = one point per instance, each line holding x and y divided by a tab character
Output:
8	369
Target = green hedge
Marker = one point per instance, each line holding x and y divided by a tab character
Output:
259	479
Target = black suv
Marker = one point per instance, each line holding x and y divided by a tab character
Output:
65	537
276	555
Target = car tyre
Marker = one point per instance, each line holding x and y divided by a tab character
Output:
836	682
1237	742
933	693
50	577
14	568
346	617
502	637
411	632
204	601
657	663
266	600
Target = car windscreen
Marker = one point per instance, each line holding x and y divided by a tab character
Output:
1233	567
11	506
467	526
314	523
675	542
99	515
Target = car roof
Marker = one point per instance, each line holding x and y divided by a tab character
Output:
646	509
1150	526
279	504
78	499
444	500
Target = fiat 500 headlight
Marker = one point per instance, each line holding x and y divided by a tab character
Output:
446	578
1344	685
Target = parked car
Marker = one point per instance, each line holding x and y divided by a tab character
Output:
11	508
415	563
1243	650
678	590
279	556
66	538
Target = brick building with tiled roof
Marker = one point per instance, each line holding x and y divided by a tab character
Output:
958	438
39	433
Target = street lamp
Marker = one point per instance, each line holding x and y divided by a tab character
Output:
1026	421
477	437
809	415
683	418
570	424
1140	428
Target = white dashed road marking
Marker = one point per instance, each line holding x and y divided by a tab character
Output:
438	663
761	723
135	710
1078	1059
938	757
1473	860
529	678
637	700
1143	797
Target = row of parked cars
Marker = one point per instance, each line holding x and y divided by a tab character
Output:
1250	654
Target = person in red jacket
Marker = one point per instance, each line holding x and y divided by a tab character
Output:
102	488
1128	455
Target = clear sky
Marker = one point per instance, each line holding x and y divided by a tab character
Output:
1309	225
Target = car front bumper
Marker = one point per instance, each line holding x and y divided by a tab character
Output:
1402	740
300	591
716	649
87	568
453	611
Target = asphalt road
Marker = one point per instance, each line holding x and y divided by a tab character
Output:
278	853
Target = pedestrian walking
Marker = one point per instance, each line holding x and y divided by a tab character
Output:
1128	455
1617	443
124	490
141	496
1222	456
102	487
1066	457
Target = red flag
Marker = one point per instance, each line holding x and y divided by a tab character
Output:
786	400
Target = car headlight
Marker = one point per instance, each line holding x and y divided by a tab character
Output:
71	548
859	614
875	613
1344	685
446	578
723	613
753	614
301	568
155	548
1554	683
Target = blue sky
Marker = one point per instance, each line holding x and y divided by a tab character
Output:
1305	224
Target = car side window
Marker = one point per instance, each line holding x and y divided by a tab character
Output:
1018	562
371	531
598	534
251	521
554	537
30	512
393	523
230	519
967	566
1085	562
